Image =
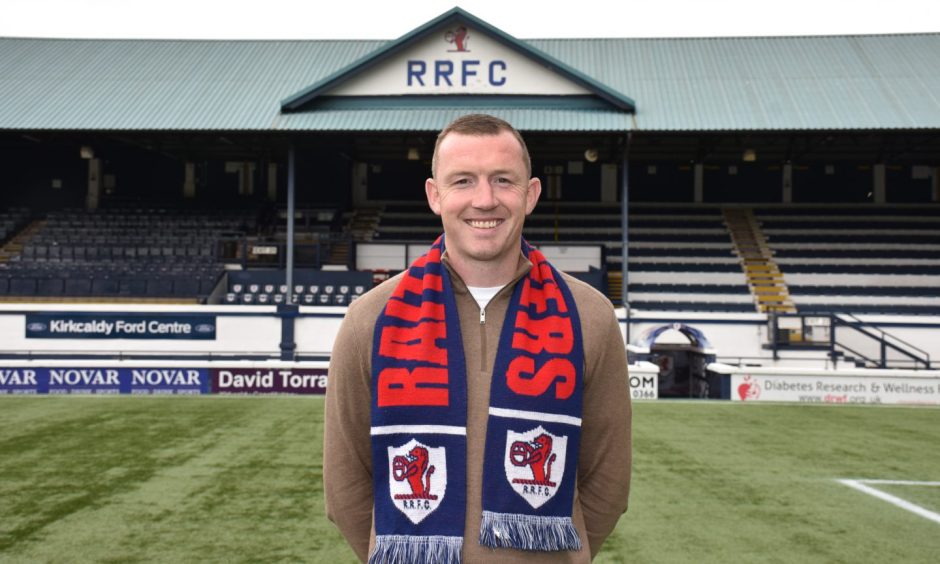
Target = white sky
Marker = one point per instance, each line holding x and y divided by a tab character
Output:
389	19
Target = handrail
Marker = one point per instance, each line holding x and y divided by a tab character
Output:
886	334
857	324
859	355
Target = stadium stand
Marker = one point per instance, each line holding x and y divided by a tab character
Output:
858	259
11	221
834	258
148	254
310	287
680	257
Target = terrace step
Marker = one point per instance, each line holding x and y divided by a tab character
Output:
763	276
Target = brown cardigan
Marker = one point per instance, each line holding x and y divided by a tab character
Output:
604	462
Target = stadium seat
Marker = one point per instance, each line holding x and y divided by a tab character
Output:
186	286
104	287
23	286
75	286
132	286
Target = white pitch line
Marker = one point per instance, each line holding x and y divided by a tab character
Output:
899	483
903	504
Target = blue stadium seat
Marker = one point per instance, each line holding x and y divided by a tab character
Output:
186	286
25	286
132	286
104	287
78	286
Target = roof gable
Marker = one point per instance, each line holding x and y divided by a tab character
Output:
457	54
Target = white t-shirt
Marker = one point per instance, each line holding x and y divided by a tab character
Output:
483	295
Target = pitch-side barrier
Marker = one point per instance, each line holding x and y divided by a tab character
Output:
155	377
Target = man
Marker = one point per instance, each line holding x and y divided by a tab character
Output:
478	407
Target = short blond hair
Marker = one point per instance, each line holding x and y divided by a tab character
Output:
481	124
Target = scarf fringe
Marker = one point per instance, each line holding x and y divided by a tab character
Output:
406	549
528	532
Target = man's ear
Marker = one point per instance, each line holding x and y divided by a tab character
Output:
434	198
532	194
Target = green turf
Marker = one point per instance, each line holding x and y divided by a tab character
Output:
238	479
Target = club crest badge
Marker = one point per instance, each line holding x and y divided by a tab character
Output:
535	464
417	479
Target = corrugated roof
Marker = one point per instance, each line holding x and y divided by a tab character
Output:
844	82
793	83
397	119
144	84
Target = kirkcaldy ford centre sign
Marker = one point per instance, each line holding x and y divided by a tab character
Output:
458	60
52	325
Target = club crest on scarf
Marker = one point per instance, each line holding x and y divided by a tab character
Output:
417	478
535	464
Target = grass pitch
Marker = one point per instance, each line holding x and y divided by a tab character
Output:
238	479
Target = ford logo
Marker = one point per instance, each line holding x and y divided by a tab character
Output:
37	326
205	328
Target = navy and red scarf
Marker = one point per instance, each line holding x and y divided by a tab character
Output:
419	417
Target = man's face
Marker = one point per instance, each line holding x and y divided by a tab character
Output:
482	192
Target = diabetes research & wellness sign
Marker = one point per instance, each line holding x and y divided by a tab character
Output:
102	381
836	389
119	326
269	381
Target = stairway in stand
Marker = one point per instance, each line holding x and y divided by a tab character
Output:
14	246
363	223
763	276
615	287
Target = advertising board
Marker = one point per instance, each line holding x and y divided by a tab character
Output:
72	325
644	381
818	388
286	380
100	380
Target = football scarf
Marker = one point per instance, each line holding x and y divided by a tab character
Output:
419	415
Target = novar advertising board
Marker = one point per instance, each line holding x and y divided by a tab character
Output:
100	380
161	378
902	387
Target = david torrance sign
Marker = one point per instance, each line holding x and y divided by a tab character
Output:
269	380
51	325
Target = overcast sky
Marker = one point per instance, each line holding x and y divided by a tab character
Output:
389	19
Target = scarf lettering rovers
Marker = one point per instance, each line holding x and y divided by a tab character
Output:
419	415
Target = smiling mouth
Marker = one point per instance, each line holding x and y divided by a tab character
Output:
483	224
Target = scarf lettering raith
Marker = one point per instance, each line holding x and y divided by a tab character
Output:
419	415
